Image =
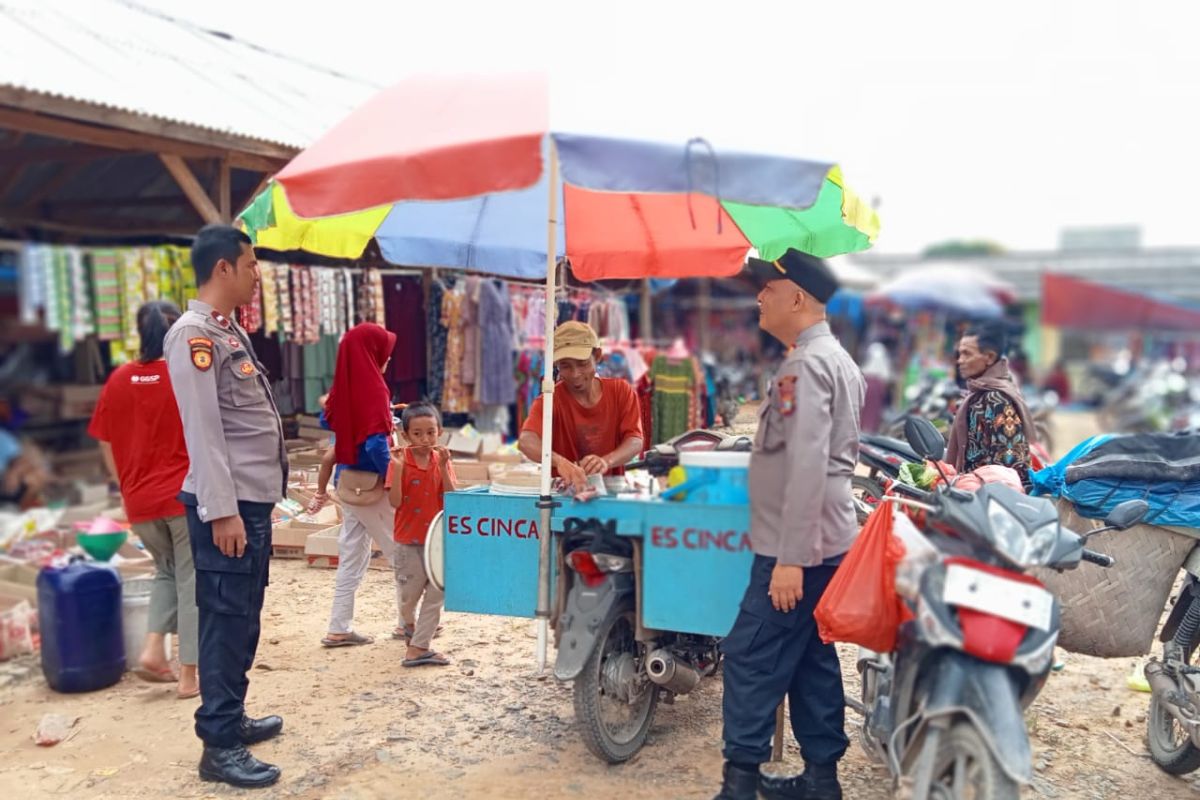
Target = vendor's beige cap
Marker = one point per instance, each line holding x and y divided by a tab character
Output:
574	340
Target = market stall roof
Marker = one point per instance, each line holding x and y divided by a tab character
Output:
119	120
1069	302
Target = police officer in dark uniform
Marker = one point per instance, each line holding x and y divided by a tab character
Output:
802	523
238	472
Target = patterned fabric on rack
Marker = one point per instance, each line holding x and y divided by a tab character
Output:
270	298
674	384
31	284
250	316
469	320
287	309
106	281
381	310
306	306
436	335
347	284
456	399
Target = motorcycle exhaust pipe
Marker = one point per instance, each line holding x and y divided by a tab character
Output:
1164	688
671	673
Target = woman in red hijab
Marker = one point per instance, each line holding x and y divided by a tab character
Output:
359	413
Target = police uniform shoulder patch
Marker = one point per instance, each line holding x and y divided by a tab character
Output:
786	389
246	368
202	352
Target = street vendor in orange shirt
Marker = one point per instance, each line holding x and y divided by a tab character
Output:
597	421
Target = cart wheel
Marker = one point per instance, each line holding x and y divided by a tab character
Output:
614	700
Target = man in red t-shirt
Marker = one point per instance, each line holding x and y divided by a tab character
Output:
597	421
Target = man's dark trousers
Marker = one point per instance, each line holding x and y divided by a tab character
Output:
229	596
770	655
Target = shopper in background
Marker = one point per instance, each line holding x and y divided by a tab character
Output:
141	437
992	425
877	369
358	409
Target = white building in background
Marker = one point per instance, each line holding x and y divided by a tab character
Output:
1112	256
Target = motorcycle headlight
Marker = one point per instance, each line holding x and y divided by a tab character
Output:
1010	537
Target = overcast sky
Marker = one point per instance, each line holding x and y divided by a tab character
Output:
966	120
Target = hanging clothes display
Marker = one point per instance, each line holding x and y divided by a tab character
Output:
436	335
404	309
106	281
498	385
456	399
672	409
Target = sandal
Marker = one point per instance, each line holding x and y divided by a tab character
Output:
352	639
430	659
188	695
164	675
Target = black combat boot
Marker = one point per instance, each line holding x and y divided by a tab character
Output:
235	766
817	782
738	782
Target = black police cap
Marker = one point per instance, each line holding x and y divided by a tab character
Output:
808	272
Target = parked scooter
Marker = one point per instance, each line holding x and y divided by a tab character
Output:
944	711
620	669
1173	724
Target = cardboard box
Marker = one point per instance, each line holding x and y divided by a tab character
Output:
19	581
470	470
321	550
288	540
501	458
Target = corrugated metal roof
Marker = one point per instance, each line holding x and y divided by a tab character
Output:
118	54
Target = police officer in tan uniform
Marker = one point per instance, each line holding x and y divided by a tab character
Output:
801	524
238	472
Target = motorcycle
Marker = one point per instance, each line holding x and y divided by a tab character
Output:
944	710
1173	724
620	669
882	456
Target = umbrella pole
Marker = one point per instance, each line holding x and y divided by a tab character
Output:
545	503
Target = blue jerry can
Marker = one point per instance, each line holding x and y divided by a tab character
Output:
79	611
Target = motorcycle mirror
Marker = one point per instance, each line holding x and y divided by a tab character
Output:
1126	515
924	439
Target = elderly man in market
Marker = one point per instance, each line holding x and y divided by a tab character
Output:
597	421
238	471
802	523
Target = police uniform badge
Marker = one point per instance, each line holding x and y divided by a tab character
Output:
786	389
202	353
246	368
234	342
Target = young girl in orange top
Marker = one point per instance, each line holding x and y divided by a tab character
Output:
421	475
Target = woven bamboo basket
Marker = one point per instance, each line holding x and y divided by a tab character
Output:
1115	612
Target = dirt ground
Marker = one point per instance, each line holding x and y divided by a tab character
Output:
359	726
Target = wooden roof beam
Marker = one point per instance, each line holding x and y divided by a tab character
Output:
24	156
47	189
133	121
42	125
191	187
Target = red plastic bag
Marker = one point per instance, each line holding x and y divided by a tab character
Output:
860	605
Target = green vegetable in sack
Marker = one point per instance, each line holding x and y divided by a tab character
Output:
918	475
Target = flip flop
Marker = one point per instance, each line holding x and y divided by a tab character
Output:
352	640
427	660
165	675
